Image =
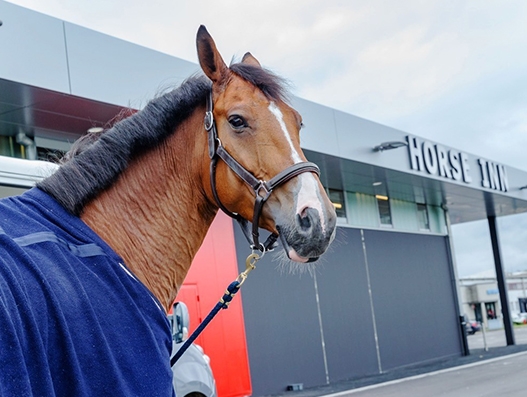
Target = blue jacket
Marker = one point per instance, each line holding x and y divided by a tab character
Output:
74	321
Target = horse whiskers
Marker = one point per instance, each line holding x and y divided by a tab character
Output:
286	265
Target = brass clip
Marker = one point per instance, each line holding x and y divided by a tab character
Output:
250	263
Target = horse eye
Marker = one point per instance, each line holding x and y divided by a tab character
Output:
237	122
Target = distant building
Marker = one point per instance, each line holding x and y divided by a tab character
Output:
480	297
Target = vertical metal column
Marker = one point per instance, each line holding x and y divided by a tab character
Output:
455	284
502	284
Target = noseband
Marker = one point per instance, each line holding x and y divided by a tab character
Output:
262	189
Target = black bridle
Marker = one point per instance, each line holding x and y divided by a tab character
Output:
262	189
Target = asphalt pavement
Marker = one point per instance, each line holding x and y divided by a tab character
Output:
484	372
500	376
496	338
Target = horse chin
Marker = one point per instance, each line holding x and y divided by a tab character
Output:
293	255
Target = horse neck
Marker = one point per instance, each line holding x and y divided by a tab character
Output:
157	213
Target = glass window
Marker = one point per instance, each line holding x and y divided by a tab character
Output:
385	215
337	199
9	147
422	216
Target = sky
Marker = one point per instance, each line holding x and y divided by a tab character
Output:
454	72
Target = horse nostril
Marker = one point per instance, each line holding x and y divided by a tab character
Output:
306	219
304	222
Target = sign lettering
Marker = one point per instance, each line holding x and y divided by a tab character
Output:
435	159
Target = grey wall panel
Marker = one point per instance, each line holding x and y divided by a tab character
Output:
358	137
413	298
33	50
111	70
281	323
346	314
319	133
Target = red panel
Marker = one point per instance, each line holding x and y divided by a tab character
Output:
188	293
213	269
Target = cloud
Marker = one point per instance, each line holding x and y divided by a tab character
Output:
474	251
472	248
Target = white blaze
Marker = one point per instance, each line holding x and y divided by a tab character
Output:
308	194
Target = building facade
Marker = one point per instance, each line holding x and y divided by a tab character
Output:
480	297
386	294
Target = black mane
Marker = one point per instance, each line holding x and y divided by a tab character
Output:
273	86
96	160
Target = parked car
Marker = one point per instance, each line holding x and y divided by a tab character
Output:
519	318
192	373
472	327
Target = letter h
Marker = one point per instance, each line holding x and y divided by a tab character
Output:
415	152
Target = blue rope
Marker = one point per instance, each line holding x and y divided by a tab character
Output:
223	303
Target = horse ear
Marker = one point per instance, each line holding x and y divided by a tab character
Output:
250	60
209	57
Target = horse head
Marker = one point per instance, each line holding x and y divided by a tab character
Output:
261	173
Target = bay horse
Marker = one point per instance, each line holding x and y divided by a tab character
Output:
92	258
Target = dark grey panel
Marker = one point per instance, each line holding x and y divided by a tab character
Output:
413	298
281	323
49	114
345	308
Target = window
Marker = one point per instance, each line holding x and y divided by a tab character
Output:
337	199
9	147
422	217
490	307
385	215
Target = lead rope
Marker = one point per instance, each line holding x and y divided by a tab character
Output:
223	303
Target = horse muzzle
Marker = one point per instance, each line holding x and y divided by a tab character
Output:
307	238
